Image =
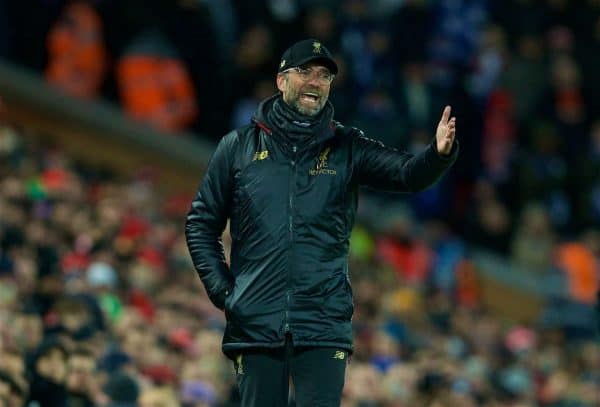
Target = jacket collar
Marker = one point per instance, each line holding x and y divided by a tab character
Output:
260	120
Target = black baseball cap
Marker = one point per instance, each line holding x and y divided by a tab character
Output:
305	51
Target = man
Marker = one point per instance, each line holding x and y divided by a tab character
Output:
48	370
81	380
289	182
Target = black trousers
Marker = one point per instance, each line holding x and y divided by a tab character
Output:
317	374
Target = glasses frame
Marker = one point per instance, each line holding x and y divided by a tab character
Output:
305	73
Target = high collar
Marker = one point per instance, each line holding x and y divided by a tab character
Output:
324	130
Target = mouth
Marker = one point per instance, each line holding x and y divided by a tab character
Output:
310	97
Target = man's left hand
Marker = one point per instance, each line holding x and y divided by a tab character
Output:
444	136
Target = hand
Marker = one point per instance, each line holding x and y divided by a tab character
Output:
444	136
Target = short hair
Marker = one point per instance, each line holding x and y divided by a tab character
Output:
48	344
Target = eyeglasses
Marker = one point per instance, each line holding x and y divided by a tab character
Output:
322	75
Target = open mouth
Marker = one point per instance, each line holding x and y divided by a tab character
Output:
310	97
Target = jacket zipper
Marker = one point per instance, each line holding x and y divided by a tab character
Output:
291	237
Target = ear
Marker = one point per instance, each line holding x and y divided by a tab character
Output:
281	81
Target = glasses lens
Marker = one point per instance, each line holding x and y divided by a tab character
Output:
323	75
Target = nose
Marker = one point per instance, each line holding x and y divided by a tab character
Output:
314	80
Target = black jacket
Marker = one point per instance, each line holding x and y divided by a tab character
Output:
291	214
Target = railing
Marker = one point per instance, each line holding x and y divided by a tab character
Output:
513	292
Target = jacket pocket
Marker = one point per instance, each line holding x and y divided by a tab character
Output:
338	298
350	297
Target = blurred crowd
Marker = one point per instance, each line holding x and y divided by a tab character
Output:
99	304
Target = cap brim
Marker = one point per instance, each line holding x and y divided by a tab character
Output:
327	62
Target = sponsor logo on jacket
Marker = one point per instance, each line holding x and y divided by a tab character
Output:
322	167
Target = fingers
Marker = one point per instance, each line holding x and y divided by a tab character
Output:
452	126
445	115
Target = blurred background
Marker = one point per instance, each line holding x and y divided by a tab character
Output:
476	292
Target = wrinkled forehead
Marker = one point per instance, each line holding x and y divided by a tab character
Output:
315	65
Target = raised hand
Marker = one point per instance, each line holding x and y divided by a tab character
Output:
446	130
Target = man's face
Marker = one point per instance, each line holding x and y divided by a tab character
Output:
12	363
28	330
305	88
52	366
80	372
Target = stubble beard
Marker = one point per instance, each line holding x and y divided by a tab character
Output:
294	102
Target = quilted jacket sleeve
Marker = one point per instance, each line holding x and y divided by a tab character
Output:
206	221
390	169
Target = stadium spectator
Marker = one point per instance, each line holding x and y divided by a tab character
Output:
155	85
77	57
